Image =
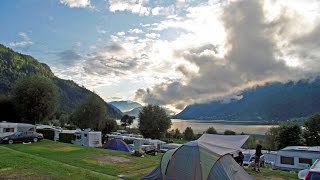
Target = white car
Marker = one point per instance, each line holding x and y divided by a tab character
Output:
311	174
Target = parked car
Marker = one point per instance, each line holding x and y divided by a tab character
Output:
311	174
248	159
20	137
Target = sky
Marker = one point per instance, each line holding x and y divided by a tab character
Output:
171	52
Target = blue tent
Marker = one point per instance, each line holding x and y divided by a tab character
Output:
117	144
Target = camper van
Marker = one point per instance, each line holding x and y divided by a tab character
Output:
296	158
7	128
87	138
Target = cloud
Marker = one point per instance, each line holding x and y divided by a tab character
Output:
134	6
101	31
112	60
249	53
76	3
135	31
166	11
152	35
69	57
24	42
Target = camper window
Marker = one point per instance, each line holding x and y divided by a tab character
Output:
287	160
78	136
85	135
305	161
8	129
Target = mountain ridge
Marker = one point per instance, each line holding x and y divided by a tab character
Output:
14	66
273	102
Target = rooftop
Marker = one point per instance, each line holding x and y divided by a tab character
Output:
302	148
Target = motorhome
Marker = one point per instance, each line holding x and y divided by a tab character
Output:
87	138
8	128
296	158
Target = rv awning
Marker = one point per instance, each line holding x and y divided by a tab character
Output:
222	144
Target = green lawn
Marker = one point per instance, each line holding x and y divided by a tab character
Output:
55	160
268	173
60	160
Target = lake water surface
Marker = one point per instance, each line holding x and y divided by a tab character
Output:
199	126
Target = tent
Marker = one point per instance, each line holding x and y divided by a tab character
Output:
117	144
207	158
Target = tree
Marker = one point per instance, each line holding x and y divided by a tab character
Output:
272	137
110	126
127	120
211	130
8	110
177	134
312	130
153	121
289	135
229	132
36	98
188	133
170	134
91	113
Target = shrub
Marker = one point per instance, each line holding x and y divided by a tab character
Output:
229	132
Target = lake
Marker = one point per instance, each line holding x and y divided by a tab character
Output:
199	126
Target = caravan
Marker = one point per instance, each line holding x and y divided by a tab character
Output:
7	128
295	158
87	138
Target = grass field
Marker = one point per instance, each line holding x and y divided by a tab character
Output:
55	160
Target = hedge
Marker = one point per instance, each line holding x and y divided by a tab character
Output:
47	133
66	137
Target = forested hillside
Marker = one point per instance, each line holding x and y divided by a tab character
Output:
14	66
272	102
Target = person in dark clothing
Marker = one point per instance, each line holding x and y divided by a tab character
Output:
240	158
258	154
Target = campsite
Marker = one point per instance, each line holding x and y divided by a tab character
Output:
55	160
160	89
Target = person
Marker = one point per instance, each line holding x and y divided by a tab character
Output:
240	158
258	154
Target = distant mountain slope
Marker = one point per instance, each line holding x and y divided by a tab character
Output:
125	106
14	66
274	101
134	112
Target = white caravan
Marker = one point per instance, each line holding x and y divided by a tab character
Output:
87	138
7	128
296	158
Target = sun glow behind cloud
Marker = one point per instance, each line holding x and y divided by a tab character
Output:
177	53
